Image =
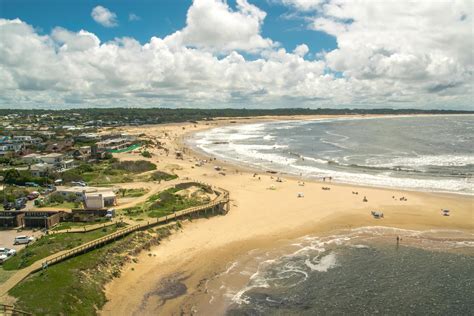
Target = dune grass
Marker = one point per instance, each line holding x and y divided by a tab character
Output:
76	286
50	244
161	204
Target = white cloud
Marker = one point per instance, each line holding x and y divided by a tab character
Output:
214	26
104	16
418	47
301	50
386	57
133	17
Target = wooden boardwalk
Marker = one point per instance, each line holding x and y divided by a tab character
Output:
10	310
219	204
83	229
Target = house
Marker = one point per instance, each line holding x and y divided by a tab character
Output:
41	219
12	219
83	153
97	153
81	192
87	137
99	200
114	144
60	146
10	147
26	140
67	164
53	159
31	158
41	169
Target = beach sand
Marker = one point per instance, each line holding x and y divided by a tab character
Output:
259	218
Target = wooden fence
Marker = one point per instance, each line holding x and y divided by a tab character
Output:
10	310
219	204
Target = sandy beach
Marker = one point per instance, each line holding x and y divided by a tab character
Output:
167	281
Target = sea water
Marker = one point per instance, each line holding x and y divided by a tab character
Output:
362	271
432	153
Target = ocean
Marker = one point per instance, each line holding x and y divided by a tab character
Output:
428	153
362	271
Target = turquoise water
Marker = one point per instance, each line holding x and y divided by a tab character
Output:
433	153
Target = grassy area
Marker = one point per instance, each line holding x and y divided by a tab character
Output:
162	176
129	193
129	148
51	244
65	205
5	275
163	203
68	225
108	172
76	286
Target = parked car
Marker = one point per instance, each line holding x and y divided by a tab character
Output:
79	183
20	203
33	195
21	240
6	253
31	184
110	213
8	206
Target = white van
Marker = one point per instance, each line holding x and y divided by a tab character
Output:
19	240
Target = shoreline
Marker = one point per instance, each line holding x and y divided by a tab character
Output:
263	219
184	142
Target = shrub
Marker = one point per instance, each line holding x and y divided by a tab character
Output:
160	175
137	166
56	198
146	154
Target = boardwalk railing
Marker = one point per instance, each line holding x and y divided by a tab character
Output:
10	310
83	229
221	201
222	198
90	245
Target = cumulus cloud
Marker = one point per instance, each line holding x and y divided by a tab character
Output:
384	58
104	16
301	50
214	26
411	44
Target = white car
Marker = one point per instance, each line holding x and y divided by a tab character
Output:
6	253
23	240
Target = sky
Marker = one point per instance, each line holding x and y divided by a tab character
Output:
236	53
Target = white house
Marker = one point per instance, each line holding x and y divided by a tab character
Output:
41	169
99	200
31	158
53	159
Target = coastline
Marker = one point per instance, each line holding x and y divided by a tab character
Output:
262	219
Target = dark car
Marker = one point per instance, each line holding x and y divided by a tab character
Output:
8	206
20	203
